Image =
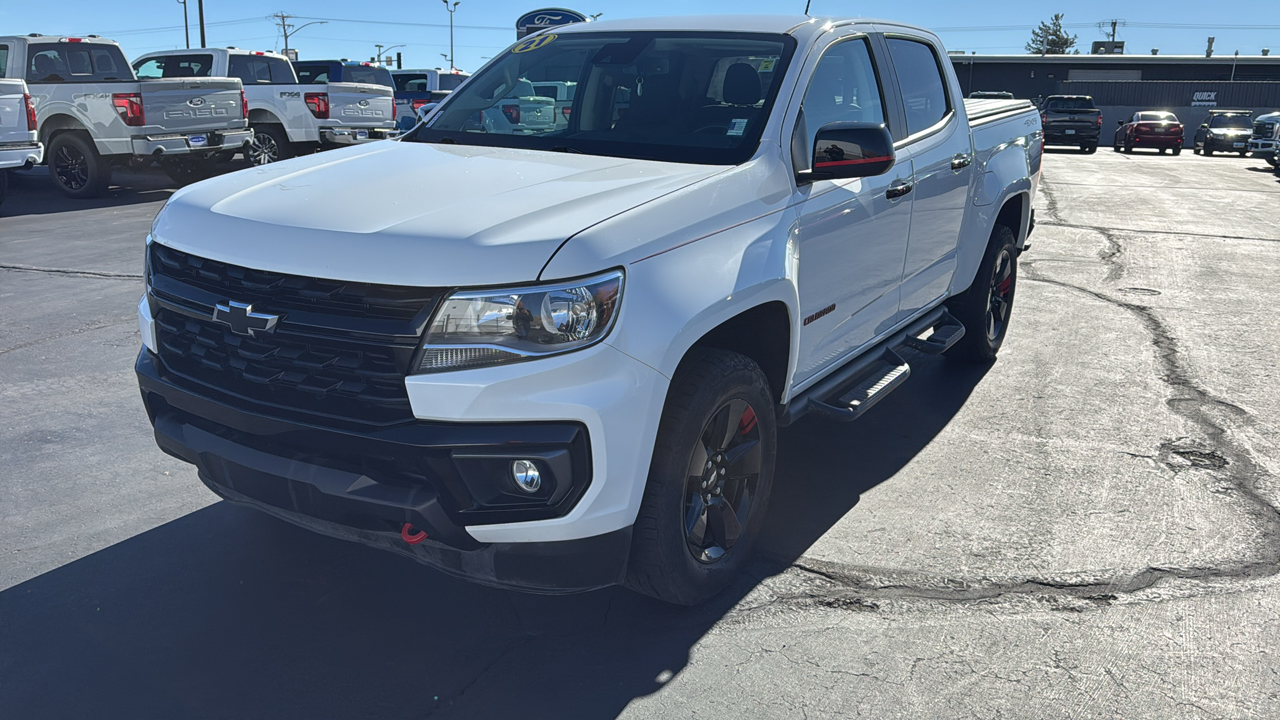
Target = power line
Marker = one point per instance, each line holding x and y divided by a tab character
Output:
401	23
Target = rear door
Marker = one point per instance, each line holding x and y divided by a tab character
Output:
941	150
850	235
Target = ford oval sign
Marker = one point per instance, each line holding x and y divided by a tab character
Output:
537	20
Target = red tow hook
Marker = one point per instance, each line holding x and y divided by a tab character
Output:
411	537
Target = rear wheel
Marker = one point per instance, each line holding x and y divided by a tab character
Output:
1128	148
76	167
985	308
270	144
1244	153
1177	151
709	481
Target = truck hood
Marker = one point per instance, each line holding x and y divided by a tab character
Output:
405	213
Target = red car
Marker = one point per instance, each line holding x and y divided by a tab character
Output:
1155	129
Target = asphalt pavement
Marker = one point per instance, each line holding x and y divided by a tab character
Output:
1086	528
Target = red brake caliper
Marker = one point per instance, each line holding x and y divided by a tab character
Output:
747	422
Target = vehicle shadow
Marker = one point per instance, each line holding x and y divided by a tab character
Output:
32	192
229	613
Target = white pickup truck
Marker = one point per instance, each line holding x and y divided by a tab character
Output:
19	147
93	114
1265	141
568	368
287	117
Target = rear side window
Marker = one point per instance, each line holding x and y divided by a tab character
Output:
4	59
920	79
76	62
260	70
451	81
176	66
412	83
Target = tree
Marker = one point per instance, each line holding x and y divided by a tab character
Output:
1051	39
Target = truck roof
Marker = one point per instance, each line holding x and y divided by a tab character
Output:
801	26
227	50
37	37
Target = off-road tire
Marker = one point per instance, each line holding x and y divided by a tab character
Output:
76	167
971	307
662	564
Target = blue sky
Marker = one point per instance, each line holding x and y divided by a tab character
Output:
484	27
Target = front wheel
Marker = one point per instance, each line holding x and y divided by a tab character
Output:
1090	149
709	481
985	308
1207	152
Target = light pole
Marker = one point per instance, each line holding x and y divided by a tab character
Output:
286	29
380	50
186	24
200	12
452	9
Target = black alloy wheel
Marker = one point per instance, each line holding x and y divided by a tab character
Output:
1000	295
722	480
71	165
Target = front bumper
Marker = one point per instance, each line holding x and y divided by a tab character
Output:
1229	144
21	156
1263	148
180	144
354	136
375	485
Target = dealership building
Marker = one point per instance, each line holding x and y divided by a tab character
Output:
1120	85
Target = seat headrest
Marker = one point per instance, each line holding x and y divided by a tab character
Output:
742	85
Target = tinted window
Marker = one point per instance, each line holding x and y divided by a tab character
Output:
694	97
1154	117
281	71
368	74
1230	121
451	81
76	62
1070	104
843	89
924	96
417	82
312	74
4	59
176	66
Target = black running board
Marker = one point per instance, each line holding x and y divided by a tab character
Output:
851	391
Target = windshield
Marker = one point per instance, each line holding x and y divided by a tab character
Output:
1070	104
676	97
1231	121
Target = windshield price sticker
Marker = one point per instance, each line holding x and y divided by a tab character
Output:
767	64
737	127
533	43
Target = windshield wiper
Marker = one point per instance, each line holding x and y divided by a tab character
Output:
567	149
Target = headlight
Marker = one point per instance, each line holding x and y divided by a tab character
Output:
479	328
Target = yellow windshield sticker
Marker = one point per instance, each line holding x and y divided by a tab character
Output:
533	43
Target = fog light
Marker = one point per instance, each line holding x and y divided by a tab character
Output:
526	475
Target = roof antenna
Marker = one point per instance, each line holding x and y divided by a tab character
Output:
807	3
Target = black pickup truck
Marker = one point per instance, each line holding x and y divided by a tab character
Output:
1071	120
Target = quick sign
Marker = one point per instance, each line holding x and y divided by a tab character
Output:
1205	99
546	18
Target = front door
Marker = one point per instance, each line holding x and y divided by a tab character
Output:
851	235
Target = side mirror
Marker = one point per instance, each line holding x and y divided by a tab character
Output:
843	150
425	110
1119	122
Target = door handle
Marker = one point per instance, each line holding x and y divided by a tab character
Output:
961	161
898	189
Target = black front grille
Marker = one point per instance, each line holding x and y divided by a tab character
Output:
339	351
1263	130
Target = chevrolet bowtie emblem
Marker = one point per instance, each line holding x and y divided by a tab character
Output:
242	320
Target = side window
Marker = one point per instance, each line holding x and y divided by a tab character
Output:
843	89
924	93
281	71
250	70
151	69
4	59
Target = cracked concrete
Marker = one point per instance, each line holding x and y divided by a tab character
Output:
1085	529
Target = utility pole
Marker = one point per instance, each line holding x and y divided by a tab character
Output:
1113	29
1208	52
200	12
186	24
452	9
286	29
1233	65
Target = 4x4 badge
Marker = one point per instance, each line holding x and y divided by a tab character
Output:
242	320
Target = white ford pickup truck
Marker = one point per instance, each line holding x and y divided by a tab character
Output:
93	114
287	117
559	360
19	147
